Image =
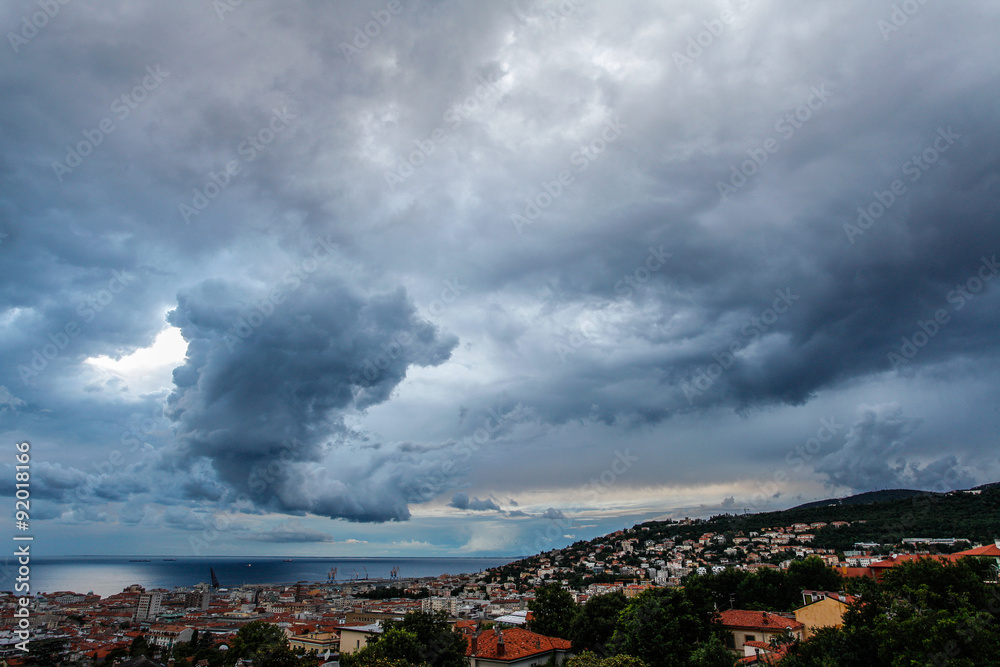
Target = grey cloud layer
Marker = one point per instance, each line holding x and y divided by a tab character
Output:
637	296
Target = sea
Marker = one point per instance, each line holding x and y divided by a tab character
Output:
107	575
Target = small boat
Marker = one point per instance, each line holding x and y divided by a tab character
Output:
287	560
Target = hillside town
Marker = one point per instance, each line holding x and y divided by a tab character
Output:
492	609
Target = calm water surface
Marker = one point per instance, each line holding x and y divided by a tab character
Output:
107	575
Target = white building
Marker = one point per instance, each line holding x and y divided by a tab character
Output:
448	605
149	606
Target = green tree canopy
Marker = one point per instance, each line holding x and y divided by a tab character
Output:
553	609
594	624
591	659
922	612
253	638
663	625
712	653
440	646
395	647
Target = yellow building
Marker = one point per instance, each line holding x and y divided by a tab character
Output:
355	638
824	613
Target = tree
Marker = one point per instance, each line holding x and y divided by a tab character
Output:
276	655
45	652
116	653
662	626
393	647
553	609
440	646
922	612
139	647
254	637
594	624
590	659
712	653
812	574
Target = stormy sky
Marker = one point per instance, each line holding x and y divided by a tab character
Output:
423	277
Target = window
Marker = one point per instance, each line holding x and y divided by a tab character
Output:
749	638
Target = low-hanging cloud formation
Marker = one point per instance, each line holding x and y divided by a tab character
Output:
460	500
263	392
874	456
291	531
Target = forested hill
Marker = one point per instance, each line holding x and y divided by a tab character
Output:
973	515
866	498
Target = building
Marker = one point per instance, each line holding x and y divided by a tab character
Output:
355	638
168	635
198	600
990	552
315	642
822	609
744	626
515	647
448	605
149	606
762	653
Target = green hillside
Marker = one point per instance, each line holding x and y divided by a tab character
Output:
958	514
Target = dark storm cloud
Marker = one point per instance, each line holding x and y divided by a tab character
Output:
875	456
640	304
263	391
462	501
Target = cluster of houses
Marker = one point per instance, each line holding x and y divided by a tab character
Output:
627	554
489	608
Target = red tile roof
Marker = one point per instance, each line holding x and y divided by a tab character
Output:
517	644
988	550
758	620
